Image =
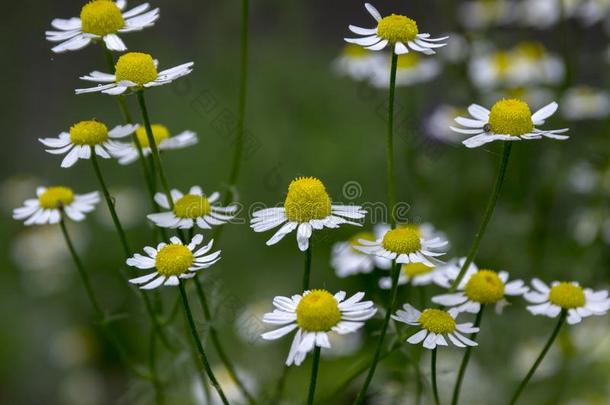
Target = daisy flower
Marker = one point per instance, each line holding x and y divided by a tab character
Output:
190	209
128	152
355	62
415	274
100	19
397	31
347	261
508	120
51	202
307	207
410	69
85	137
134	71
478	287
436	325
566	296
584	103
172	262
315	314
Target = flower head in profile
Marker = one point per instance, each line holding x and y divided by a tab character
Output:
100	20
307	207
128	152
396	31
478	287
172	262
437	326
194	208
508	120
84	138
415	274
134	71
52	202
578	302
347	260
314	315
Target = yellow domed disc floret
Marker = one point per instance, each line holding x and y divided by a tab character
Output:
307	199
192	206
485	287
567	295
173	260
413	270
56	197
511	117
160	133
318	311
101	17
402	240
397	28
136	67
437	321
88	133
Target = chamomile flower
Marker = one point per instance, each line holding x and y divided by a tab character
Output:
396	31
86	137
406	244
51	202
437	326
347	261
480	14
194	208
508	120
584	103
128	152
355	62
134	71
478	287
410	69
307	207
172	262
314	315
415	274
100	20
568	296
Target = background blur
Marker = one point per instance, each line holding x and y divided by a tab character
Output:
307	117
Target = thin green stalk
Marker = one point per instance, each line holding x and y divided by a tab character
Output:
434	385
462	371
491	205
384	329
546	348
203	358
315	365
307	269
390	144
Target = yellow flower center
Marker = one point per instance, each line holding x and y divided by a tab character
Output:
408	61
531	50
101	17
318	311
192	206
88	133
567	296
413	270
501	61
173	260
511	117
485	287
355	51
55	197
307	199
136	67
402	240
160	133
397	28
437	321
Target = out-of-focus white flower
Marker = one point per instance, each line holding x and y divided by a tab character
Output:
540	14
585	103
16	189
457	49
71	347
590	12
410	69
437	124
231	390
583	178
355	62
342	345
249	322
524	353
128	204
480	14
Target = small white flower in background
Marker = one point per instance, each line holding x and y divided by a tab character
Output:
568	296
396	31
100	19
85	136
355	62
540	14
436	326
415	274
134	71
128	203
172	262
314	315
457	50
508	120
249	324
410	69
477	287
342	345
347	261
47	208
230	388
480	14
585	103
590	12
437	124
194	208
307	208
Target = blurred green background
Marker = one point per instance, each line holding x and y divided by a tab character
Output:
302	119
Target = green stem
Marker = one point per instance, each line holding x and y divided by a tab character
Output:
384	330
195	335
314	375
491	205
466	359
390	144
434	385
546	348
307	269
